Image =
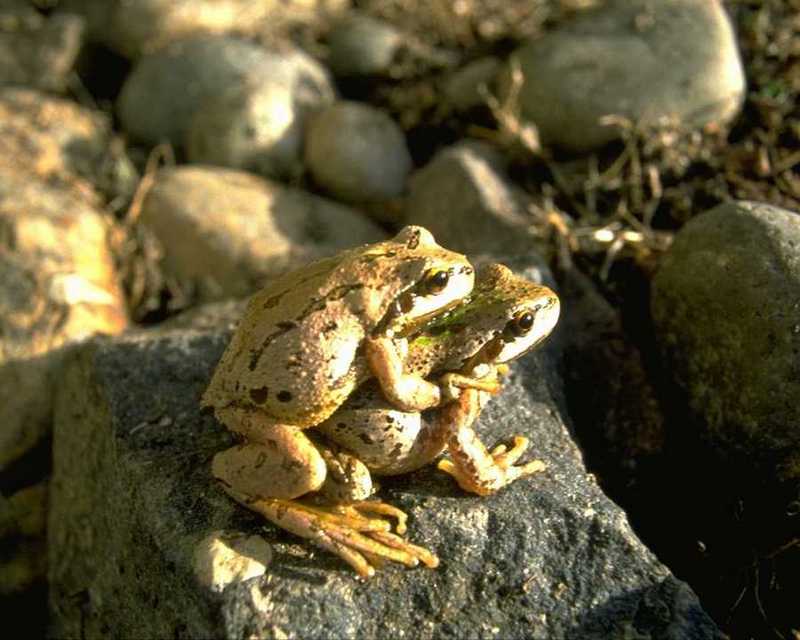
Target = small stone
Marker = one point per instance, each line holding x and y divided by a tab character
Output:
228	231
223	558
362	45
357	153
165	89
463	197
36	51
138	28
725	303
642	60
463	89
258	126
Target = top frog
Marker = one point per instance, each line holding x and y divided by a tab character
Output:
293	357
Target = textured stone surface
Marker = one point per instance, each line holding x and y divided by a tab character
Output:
166	88
225	231
726	307
60	141
357	153
132	496
640	59
362	45
463	196
37	51
57	286
137	28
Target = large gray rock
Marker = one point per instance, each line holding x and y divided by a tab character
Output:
639	59
464	197
225	232
132	498
726	307
37	51
166	88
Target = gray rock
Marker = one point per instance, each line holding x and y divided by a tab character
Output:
36	51
132	497
462	88
137	28
362	45
165	89
463	196
726	307
57	286
639	59
357	153
258	125
227	231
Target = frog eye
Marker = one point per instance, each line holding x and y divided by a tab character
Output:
436	281
522	323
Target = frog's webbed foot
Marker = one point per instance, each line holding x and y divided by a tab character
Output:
474	468
493	470
363	542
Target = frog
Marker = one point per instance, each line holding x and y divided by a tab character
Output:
505	317
304	343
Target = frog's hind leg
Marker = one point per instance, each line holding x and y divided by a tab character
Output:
476	469
277	464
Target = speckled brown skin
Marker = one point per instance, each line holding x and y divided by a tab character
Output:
297	355
389	441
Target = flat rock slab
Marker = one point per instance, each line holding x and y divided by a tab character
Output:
132	498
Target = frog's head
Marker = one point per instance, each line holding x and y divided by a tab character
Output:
441	279
505	317
520	313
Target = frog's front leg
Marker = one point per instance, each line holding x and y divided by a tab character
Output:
276	465
408	392
475	468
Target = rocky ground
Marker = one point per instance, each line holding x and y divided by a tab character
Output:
161	160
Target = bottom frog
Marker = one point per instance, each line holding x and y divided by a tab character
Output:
505	317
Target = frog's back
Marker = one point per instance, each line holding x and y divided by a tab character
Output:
296	352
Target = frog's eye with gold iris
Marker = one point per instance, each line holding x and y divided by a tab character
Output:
436	281
521	323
